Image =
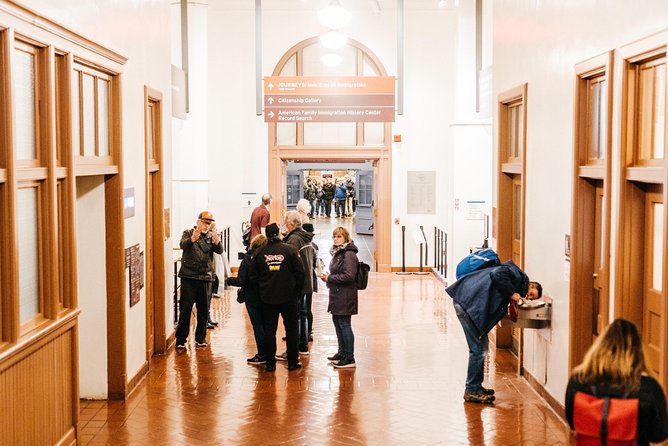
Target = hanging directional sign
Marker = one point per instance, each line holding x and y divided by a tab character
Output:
328	99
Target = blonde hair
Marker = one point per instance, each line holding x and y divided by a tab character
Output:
340	230
258	241
615	359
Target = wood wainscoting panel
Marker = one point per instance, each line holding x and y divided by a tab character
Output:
38	393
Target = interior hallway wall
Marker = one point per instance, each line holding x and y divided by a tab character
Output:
238	138
540	43
141	32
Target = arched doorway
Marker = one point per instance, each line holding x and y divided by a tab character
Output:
336	141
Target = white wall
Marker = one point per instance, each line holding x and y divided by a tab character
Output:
237	137
91	287
539	43
141	32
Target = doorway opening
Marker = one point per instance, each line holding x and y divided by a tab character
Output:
340	194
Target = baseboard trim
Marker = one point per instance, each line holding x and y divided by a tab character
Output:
547	396
171	341
134	382
412	269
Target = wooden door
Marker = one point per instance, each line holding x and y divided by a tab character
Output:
516	231
599	288
652	289
149	261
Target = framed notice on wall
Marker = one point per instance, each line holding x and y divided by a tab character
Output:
421	192
135	261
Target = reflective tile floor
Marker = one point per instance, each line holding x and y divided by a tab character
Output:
406	390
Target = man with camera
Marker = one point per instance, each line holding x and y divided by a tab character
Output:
197	276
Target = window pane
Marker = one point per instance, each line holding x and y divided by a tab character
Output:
149	132
520	131
645	107
76	116
369	68
512	134
330	133
657	250
28	243
659	111
286	134
517	209
290	67
603	119
374	133
594	120
103	116
313	65
89	115
23	71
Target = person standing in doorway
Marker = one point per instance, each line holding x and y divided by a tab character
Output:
328	196
260	216
196	273
340	195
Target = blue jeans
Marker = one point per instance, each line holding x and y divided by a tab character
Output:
344	335
255	316
477	348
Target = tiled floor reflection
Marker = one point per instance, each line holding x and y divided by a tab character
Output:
407	388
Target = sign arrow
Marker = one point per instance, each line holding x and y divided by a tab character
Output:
270	100
271	114
270	86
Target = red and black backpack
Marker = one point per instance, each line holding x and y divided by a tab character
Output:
603	420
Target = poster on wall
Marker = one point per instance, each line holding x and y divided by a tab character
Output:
421	192
475	210
135	261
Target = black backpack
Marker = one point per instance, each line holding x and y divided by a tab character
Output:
362	276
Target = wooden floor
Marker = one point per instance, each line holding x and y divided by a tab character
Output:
407	389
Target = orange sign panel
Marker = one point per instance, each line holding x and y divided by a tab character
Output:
328	99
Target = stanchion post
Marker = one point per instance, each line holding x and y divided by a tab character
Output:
403	252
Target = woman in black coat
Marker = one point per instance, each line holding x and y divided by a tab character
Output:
342	295
615	367
250	294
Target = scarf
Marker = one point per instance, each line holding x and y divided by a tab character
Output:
336	249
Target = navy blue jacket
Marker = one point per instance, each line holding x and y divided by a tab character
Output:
250	289
484	295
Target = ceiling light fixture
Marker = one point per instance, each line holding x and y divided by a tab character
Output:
331	59
333	40
334	16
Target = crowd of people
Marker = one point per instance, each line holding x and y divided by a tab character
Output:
277	276
322	193
611	395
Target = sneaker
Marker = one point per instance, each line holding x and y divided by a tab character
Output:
201	344
210	326
282	357
310	338
304	352
478	397
292	367
344	363
180	347
256	360
215	323
487	391
336	357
